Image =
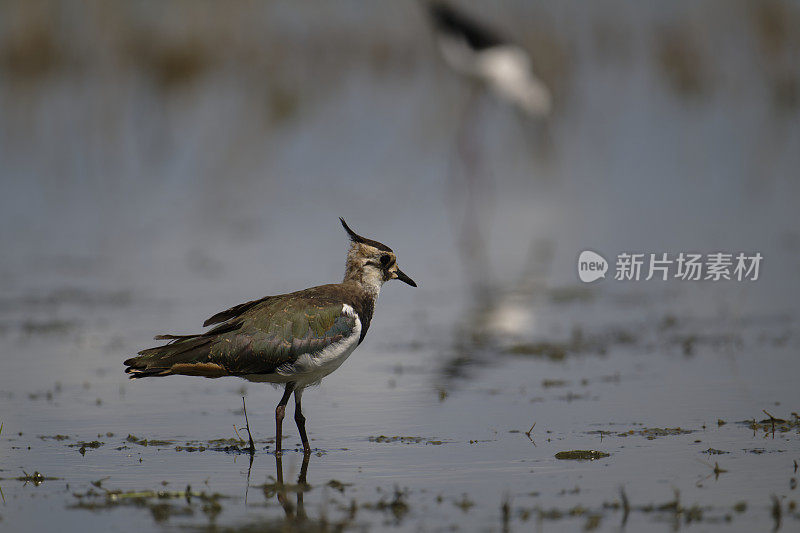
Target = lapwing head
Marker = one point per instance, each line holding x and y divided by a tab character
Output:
371	263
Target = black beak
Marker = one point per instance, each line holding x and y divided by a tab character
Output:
402	277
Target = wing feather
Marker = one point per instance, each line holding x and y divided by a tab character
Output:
236	310
268	333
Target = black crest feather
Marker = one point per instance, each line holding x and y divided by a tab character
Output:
355	237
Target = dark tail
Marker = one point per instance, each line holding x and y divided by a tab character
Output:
184	354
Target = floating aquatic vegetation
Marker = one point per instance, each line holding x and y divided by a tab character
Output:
578	343
649	433
54	437
231	445
773	424
760	451
405	440
84	445
335	484
544	349
162	504
582	455
464	503
713	451
145	442
397	506
652	433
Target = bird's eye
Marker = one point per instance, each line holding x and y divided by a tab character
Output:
385	260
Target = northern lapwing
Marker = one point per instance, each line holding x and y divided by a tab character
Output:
475	50
293	339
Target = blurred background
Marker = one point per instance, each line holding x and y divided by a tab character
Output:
161	161
220	142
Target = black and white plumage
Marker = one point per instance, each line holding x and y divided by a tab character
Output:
474	50
292	339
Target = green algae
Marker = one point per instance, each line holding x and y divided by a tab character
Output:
162	504
714	451
54	437
405	440
652	433
86	445
544	349
649	433
148	442
773	424
581	455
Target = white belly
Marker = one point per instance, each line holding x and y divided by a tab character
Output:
310	368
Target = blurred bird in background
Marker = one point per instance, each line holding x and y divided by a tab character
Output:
496	66
473	49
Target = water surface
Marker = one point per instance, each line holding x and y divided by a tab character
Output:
195	162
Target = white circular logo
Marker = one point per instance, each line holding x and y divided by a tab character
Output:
591	266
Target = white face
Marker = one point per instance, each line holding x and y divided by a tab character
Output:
377	266
373	267
372	279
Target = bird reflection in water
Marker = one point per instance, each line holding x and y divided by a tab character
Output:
294	513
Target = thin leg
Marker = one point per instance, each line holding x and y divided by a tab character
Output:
301	420
280	412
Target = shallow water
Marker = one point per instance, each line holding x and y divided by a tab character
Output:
383	425
136	204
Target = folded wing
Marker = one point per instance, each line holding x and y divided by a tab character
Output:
252	338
